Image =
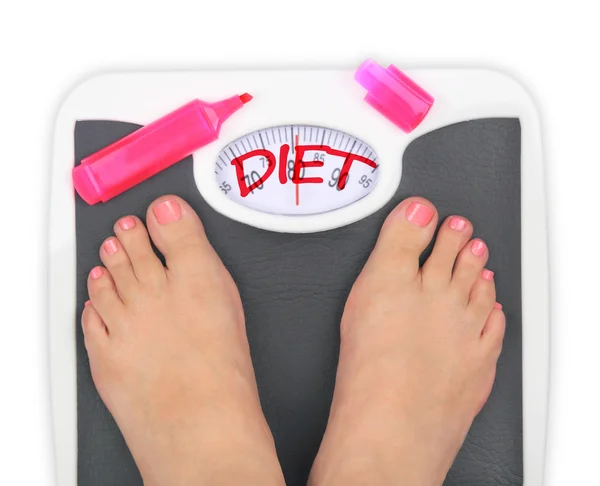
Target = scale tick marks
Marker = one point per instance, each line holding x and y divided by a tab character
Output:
353	145
232	153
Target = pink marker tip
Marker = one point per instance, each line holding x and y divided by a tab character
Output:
245	98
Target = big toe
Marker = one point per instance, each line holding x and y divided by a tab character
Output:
404	236
178	233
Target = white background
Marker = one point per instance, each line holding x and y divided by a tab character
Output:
47	47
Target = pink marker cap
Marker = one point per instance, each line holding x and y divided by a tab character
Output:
393	94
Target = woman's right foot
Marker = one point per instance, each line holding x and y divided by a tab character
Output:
418	355
170	357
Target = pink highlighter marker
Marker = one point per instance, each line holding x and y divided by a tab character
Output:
152	148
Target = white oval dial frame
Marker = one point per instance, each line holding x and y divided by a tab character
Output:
296	170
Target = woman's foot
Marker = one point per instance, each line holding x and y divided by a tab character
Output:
418	355
170	358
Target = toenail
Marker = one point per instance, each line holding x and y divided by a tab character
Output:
457	223
88	302
419	214
478	248
498	306
96	273
110	246
127	223
487	274
167	211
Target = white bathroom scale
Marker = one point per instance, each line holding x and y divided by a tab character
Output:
295	249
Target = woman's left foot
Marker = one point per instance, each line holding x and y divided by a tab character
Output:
418	355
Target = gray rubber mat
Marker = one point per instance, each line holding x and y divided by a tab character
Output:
294	288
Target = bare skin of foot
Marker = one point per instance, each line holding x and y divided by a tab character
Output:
170	357
418	355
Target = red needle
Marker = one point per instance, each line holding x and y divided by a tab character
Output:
297	185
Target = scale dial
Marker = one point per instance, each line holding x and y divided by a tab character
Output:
296	170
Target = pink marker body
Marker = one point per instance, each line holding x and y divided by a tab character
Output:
152	148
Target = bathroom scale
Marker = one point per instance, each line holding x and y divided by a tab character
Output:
295	249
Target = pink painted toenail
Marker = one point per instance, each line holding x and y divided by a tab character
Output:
88	302
127	223
478	248
110	246
96	273
457	223
487	275
167	211
419	214
498	306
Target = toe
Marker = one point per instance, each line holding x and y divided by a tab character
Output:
482	298
469	264
493	333
487	390
133	236
177	232
404	236
94	329
117	262
451	239
104	296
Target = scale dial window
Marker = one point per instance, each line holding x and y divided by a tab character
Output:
296	170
